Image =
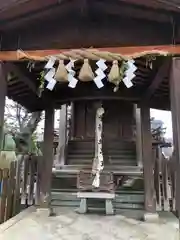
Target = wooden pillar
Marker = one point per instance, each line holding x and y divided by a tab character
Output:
175	110
147	154
72	126
138	138
3	92
46	169
62	135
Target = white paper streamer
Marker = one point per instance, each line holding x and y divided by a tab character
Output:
127	82
129	74
101	64
51	84
100	73
50	63
50	74
71	73
98	82
72	81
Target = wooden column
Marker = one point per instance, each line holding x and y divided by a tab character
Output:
3	92
46	169
72	126
137	115
147	154
62	135
175	110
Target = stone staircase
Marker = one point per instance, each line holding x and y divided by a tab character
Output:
115	153
119	158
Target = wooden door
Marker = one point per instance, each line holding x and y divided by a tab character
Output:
118	120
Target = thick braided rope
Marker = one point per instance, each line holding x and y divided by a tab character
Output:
91	54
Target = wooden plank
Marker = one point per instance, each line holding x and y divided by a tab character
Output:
10	192
24	180
150	199
46	174
10	67
175	110
126	51
161	74
31	181
1	178
172	177
155	4
157	177
16	202
38	178
115	8
5	175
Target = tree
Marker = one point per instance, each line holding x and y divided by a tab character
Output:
157	129
22	126
16	116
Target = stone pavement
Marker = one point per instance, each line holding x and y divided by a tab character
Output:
68	225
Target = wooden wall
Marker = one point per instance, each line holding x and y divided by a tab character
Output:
118	120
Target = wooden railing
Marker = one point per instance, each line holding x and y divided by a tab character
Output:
19	186
165	182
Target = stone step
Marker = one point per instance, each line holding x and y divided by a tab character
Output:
87	162
121	201
116	169
113	153
110	158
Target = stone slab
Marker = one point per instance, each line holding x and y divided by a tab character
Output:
99	195
68	225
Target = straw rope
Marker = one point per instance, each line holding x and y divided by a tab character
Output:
91	54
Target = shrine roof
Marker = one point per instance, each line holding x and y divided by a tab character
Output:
14	14
39	27
150	84
11	9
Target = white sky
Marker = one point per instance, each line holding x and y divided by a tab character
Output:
165	116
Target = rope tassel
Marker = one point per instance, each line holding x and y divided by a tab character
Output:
61	73
86	74
114	74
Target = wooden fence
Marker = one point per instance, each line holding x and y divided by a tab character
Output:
165	182
19	186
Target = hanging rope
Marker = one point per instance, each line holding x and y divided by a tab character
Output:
91	54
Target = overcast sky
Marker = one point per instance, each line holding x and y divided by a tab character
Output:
165	116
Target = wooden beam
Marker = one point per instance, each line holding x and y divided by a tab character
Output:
22	15
154	4
161	74
81	32
175	110
121	9
150	199
46	169
10	67
89	98
126	51
3	93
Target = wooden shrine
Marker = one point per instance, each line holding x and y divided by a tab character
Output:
81	53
